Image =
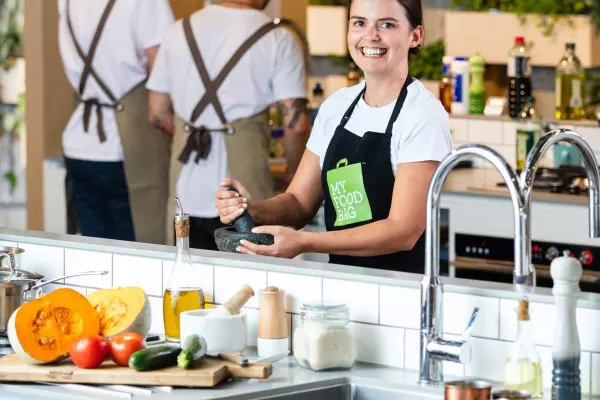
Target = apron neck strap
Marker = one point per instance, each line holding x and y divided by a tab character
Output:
395	112
399	104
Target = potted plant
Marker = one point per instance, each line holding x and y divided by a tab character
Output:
428	67
326	25
12	62
547	24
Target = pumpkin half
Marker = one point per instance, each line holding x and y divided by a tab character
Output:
42	331
121	310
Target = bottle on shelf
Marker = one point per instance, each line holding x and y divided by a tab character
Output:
477	87
569	86
179	294
523	368
445	89
318	96
529	130
460	86
519	76
353	77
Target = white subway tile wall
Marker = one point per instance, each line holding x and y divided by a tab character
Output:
379	344
158	322
487	359
509	133
138	271
485	132
202	277
361	298
229	280
396	307
299	289
457	313
459	129
395	342
46	260
82	261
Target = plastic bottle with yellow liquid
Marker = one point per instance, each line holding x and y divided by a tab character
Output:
179	294
523	369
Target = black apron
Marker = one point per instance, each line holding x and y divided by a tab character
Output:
358	183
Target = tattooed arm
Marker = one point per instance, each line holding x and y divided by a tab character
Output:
296	124
160	111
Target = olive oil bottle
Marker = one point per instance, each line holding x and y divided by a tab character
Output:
179	294
523	368
570	86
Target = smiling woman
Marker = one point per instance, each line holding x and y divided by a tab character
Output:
370	158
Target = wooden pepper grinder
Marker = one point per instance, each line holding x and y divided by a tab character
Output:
566	382
273	330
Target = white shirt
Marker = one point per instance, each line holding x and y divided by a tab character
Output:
421	132
120	61
271	70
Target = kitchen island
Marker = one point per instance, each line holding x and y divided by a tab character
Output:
384	305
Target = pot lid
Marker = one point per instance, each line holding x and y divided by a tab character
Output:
19	275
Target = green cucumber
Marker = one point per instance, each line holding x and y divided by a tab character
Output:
154	357
193	349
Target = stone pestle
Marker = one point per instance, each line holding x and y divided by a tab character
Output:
244	222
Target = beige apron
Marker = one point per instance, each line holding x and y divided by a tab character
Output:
146	148
246	139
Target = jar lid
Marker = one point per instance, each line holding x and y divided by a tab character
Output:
320	311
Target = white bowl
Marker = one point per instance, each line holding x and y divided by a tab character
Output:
223	334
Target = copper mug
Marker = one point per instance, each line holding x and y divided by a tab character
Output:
468	390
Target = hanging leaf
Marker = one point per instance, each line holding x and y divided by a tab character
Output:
12	180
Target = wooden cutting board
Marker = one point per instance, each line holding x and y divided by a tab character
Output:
208	372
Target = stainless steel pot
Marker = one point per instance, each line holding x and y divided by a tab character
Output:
18	286
5	260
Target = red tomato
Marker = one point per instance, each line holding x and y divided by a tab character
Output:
124	345
89	352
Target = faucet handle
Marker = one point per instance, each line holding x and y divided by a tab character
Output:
467	333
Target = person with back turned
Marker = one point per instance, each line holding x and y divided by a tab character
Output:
216	74
116	161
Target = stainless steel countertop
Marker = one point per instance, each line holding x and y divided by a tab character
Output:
286	373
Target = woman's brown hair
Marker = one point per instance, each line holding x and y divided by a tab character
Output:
414	14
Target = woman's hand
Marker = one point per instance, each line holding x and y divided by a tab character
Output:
230	205
288	243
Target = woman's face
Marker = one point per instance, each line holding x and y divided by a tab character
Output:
379	35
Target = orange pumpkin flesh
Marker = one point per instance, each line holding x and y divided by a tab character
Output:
46	327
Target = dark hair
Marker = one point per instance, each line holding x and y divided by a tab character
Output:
414	14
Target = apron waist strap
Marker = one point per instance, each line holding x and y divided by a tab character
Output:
88	105
200	141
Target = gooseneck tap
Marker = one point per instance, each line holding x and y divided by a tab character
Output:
591	168
433	349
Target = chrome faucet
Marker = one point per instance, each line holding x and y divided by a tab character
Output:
591	168
434	349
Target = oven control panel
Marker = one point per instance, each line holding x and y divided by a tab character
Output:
542	253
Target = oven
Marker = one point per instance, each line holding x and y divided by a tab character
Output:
490	258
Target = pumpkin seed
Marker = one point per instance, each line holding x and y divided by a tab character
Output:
52	340
65	329
44	340
38	322
34	328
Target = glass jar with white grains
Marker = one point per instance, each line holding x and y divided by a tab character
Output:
324	340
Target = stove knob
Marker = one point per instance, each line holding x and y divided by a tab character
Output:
552	253
586	257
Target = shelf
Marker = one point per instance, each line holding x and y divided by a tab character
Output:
495	34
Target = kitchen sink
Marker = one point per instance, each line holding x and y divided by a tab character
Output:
347	389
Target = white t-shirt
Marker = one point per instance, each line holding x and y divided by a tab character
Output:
271	70
120	61
421	132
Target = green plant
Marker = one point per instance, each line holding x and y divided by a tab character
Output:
429	64
11	32
549	12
